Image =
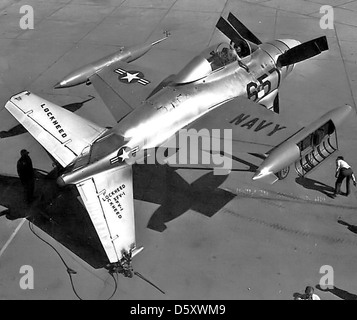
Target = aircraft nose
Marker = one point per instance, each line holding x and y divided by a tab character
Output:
260	173
59	85
61	182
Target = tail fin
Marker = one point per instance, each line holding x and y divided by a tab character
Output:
62	133
109	200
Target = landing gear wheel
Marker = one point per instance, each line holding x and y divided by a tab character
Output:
283	173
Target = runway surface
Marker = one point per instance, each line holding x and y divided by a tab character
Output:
205	236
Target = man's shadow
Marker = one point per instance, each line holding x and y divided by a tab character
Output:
58	211
344	295
19	129
316	185
350	227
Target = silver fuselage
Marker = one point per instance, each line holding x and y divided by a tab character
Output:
177	105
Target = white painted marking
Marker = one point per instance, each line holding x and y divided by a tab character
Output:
12	237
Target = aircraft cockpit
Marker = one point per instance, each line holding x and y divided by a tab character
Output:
213	58
99	149
222	55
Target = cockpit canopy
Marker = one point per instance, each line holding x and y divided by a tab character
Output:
213	58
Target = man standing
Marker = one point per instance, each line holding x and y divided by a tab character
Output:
26	174
343	170
308	295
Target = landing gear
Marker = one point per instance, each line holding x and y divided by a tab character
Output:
282	174
123	266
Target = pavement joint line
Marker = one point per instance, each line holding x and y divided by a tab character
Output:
345	69
307	15
161	20
280	196
40	20
71	255
214	29
3	249
298	232
278	8
75	43
276	22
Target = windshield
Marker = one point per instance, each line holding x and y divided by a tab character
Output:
221	55
211	59
104	146
100	148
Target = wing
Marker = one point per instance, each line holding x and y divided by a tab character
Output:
108	198
124	86
62	133
245	126
253	128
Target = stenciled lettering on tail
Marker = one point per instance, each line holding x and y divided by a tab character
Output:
53	120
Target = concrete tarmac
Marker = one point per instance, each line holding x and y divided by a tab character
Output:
205	236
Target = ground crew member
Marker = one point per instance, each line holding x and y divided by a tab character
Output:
308	295
343	170
26	174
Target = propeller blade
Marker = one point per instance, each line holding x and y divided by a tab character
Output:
227	29
223	26
242	29
276	105
303	52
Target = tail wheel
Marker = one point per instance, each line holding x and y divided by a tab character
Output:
283	173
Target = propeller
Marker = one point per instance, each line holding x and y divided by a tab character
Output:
242	29
303	51
227	29
276	105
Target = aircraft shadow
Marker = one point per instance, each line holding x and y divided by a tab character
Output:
350	227
251	167
316	185
344	295
163	185
57	211
19	129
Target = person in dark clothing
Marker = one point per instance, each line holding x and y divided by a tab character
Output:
308	295
343	170
26	174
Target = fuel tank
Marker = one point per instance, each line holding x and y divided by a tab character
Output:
291	149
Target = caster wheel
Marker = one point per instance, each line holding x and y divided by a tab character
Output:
283	173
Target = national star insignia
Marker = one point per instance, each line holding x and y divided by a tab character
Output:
124	155
131	77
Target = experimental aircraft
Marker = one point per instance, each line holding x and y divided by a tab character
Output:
230	85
